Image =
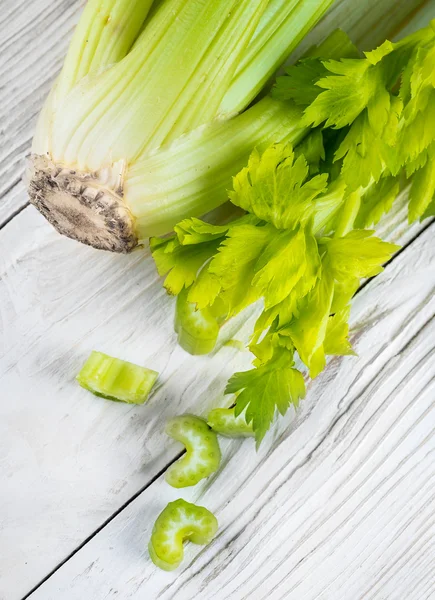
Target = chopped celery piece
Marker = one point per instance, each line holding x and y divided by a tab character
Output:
225	423
197	330
178	522
202	456
116	379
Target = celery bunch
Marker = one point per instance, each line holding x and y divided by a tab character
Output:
304	241
146	122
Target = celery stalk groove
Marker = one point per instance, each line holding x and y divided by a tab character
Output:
164	85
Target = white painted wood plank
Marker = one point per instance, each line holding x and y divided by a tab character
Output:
338	506
34	44
81	457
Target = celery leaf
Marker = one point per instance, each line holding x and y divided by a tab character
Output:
275	385
280	266
377	201
422	190
308	329
276	187
337	334
357	254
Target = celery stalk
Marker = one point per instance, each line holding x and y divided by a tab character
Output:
191	176
283	25
116	379
197	330
143	79
186	59
136	134
105	34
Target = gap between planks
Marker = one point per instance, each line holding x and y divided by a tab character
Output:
153	479
104	524
406	247
408	340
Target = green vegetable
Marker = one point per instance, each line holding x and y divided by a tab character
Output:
276	253
143	125
302	247
116	379
198	330
225	422
178	522
203	455
383	105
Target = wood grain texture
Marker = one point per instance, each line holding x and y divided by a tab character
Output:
338	505
68	461
34	45
81	456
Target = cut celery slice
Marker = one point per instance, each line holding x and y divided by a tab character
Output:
116	379
198	330
178	522
202	456
225	423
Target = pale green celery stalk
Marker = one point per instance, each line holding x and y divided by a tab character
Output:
95	178
102	121
192	176
116	379
283	25
169	83
204	103
106	31
197	330
189	48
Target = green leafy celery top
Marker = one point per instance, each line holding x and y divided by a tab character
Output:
303	244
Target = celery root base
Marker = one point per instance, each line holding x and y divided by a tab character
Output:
87	207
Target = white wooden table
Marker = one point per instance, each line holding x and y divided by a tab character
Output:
339	502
